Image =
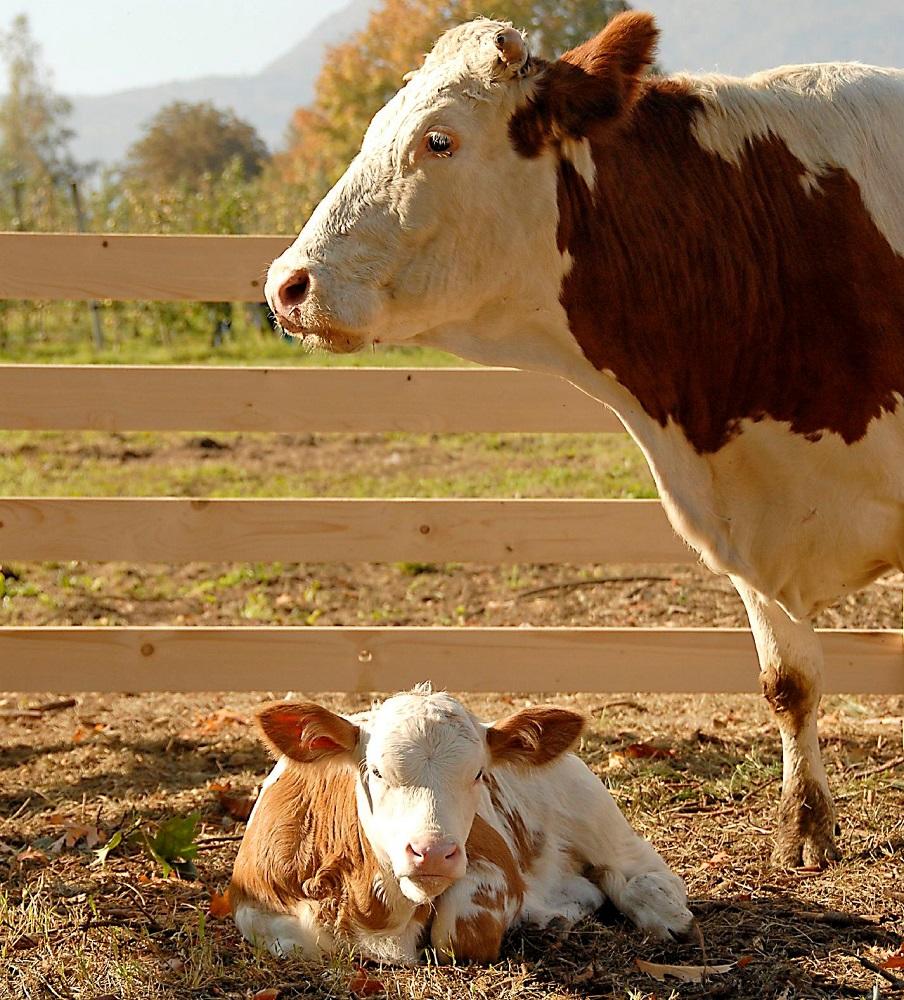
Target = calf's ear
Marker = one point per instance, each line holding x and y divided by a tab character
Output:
305	732
534	735
596	82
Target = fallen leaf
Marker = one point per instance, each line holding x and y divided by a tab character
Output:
362	985
237	806
110	845
213	723
219	904
24	943
719	859
895	961
30	854
640	751
683	973
83	732
271	993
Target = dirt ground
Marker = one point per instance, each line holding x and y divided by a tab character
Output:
71	927
75	775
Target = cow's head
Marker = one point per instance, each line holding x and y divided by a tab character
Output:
420	759
443	230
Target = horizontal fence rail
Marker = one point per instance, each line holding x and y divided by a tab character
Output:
233	268
126	268
361	400
461	659
490	531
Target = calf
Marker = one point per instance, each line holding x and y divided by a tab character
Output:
415	825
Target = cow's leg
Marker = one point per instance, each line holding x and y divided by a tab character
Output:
790	658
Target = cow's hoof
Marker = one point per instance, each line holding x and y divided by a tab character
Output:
806	828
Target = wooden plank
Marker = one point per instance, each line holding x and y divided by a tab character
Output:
358	400
127	267
387	659
189	530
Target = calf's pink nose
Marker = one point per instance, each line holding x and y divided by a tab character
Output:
433	857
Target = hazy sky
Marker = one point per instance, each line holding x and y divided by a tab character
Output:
98	46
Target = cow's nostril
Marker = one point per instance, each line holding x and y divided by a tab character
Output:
295	290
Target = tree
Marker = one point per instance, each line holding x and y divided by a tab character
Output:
185	141
360	75
33	130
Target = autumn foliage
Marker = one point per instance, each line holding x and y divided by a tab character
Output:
360	75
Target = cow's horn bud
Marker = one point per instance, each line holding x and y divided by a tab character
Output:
512	50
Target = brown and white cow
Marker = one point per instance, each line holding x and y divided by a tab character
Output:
719	260
415	825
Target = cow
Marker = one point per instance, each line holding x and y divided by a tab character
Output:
718	260
416	826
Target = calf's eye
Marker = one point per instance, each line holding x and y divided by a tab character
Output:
479	775
439	143
376	773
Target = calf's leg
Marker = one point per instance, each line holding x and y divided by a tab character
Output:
790	658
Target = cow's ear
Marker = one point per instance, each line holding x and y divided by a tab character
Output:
596	82
306	732
534	735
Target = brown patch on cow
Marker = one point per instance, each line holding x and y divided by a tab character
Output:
477	938
790	696
534	736
806	826
487	846
595	82
305	842
718	292
305	732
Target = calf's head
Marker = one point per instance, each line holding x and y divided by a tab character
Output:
444	226
420	761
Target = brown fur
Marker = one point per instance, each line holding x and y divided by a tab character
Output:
304	731
790	697
715	293
478	938
534	736
306	843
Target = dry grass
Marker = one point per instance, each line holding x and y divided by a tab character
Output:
72	928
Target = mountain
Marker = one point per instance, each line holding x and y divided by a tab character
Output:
106	125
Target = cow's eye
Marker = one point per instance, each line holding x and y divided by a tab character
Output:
376	773
479	775
440	144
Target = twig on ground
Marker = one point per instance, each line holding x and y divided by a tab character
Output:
878	769
619	703
212	841
758	788
36	711
894	981
594	581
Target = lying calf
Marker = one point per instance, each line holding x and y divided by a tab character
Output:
414	825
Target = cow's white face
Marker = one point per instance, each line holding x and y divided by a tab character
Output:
438	224
420	759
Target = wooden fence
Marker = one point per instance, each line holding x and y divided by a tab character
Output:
157	268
